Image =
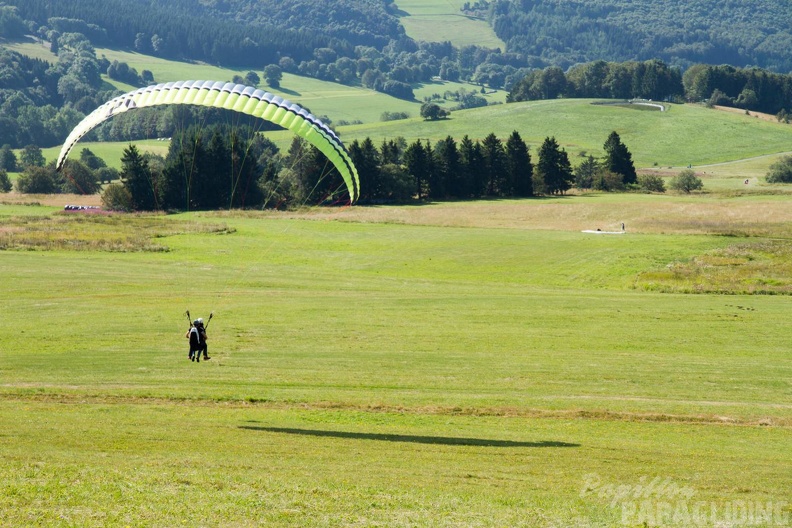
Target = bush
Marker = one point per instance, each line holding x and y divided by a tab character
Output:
780	171
651	183
606	180
393	116
686	181
5	182
107	174
116	197
38	180
79	179
433	112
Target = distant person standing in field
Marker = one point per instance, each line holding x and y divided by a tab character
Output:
197	336
622	226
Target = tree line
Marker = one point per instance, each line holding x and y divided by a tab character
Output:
650	80
748	88
679	32
223	166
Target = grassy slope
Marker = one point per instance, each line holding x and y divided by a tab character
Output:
441	20
679	137
351	360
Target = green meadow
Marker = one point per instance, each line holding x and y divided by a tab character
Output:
442	20
462	364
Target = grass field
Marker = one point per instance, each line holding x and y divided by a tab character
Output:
442	20
677	138
470	364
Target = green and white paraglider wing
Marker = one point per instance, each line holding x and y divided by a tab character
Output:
236	97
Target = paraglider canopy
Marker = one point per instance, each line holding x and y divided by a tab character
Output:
237	97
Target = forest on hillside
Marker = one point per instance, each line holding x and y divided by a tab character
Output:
679	32
353	42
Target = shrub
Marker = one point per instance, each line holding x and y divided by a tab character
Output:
107	174
651	183
605	180
393	116
780	171
78	179
686	181
116	197
432	112
38	180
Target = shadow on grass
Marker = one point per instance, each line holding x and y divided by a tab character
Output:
442	440
287	91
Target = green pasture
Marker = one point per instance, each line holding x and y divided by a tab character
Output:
428	366
442	20
110	152
684	135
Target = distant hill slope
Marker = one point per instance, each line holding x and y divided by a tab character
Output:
680	32
680	136
676	138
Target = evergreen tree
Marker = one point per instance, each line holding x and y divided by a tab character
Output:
368	162
520	168
418	166
586	172
137	179
554	167
91	160
390	152
216	176
473	182
246	149
619	160
494	156
447	167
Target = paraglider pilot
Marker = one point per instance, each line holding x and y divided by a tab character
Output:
197	336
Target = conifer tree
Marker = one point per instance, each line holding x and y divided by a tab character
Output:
136	176
497	176
618	159
520	168
554	167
